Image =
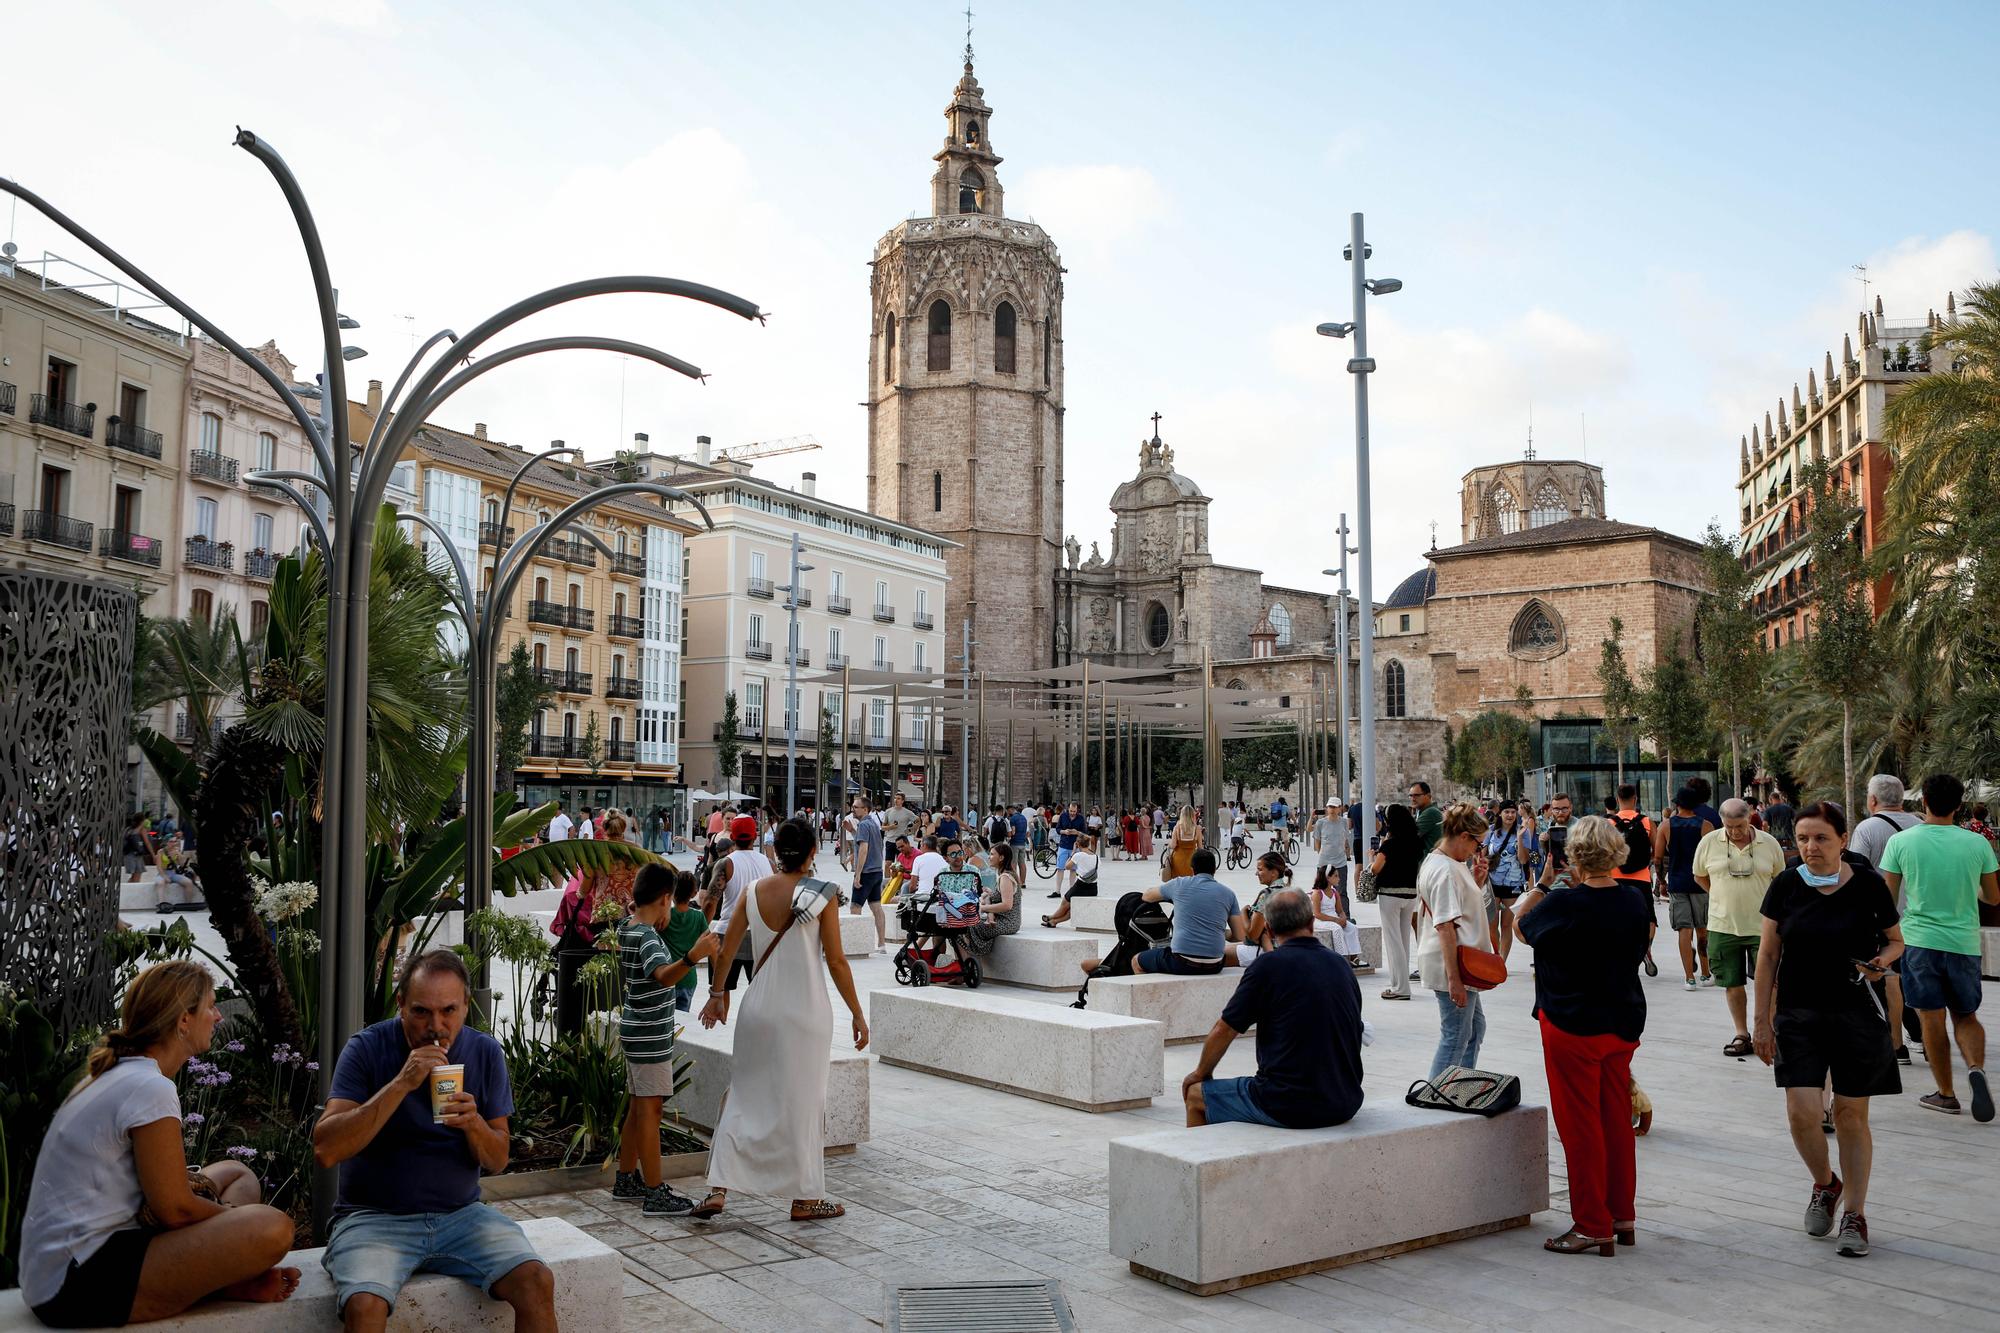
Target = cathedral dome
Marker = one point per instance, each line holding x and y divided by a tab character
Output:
1416	589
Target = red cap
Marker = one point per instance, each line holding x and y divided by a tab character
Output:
743	827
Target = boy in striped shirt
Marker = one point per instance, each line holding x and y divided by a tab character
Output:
646	1032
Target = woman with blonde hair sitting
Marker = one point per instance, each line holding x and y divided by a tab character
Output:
118	1230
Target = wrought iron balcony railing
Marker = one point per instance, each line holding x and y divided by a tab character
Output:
838	606
57	529
131	547
209	554
621	687
885	614
761	588
625	627
206	466
76	419
133	439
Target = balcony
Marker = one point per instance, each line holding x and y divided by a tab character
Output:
7	392
42	411
130	547
835	661
552	747
185	729
838	606
885	664
621	752
581	618
204	553
799	657
260	565
761	588
751	728
572	551
132	439
548	613
205	466
885	614
802	598
39	525
621	687
922	620
625	627
757	650
6	520
629	565
492	534
573	682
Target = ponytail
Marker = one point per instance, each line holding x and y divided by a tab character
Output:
154	1004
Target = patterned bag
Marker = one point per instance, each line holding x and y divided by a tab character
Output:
1364	884
1471	1091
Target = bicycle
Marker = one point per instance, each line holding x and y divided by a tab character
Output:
1239	853
1285	844
1044	861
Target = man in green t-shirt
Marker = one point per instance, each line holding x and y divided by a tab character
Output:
1430	819
1942	873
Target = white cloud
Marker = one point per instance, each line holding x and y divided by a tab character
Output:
1911	276
1089	208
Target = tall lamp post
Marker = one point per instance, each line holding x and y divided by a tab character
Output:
791	591
1361	366
1340	764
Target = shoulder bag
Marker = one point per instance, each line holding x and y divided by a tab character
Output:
1479	969
1469	1091
1364	882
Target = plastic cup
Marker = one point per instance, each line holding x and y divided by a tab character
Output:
446	1081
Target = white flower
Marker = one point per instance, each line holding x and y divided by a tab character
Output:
287	901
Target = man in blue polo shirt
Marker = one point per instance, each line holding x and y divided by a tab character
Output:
1206	917
1303	1000
408	1200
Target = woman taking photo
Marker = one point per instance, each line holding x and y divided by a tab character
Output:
1395	869
117	1229
769	1139
1510	849
1589	937
1829	930
1453	913
1186	839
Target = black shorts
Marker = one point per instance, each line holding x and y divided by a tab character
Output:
98	1293
870	888
1852	1044
1081	889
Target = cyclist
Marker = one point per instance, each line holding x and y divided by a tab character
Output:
1281	824
1239	833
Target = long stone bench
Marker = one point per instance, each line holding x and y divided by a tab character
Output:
1186	1007
713	1051
1093	916
588	1289
1225	1206
857	934
1080	1058
1989	952
1042	959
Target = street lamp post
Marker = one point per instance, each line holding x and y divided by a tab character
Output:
1340	674
792	677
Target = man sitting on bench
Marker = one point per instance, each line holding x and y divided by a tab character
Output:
1306	1006
1206	918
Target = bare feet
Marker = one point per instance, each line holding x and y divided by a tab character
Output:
273	1284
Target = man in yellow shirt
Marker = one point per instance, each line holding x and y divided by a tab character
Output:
1734	866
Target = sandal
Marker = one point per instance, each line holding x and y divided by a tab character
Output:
1048	921
1391	995
1575	1242
1739	1046
1627	1233
816	1210
711	1204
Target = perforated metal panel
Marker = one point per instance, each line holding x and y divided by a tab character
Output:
980	1307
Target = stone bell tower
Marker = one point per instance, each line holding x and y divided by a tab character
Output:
965	392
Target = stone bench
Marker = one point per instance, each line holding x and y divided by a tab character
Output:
857	934
1225	1206
1080	1058
588	1288
713	1051
1042	959
1989	952
1186	1007
1093	916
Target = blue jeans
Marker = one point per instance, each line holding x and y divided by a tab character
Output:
1226	1100
1460	1031
378	1252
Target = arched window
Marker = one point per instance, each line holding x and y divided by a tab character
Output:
1281	621
569	659
1506	516
1395	699
1549	507
617	731
889	350
1048	344
618	599
937	492
492	510
541	656
1003	339
1159	626
971	192
940	348
569	726
211	433
1536	632
541	590
575	596
972	133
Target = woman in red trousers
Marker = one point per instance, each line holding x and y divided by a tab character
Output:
1589	938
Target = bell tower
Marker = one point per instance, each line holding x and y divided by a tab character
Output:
965	394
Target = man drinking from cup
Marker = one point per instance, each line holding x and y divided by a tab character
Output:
408	1200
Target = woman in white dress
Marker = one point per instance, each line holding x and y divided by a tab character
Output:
769	1140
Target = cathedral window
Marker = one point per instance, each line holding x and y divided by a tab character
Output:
1535	632
1395	699
889	350
1506	515
1549	507
937	492
1281	621
971	192
1159	626
1048	345
940	348
1003	339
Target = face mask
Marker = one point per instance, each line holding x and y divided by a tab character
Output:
1819	881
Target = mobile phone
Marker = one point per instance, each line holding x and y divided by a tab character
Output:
1867	966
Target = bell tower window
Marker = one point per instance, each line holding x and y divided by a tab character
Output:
971	192
940	339
1003	339
889	350
972	133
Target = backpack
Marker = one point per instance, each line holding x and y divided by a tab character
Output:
1139	926
1638	843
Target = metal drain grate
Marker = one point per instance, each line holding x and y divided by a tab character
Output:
987	1307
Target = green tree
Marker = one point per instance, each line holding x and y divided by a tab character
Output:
1492	752
1840	654
1621	695
625	466
1728	637
1177	764
1672	709
1269	760
590	746
199	664
518	695
728	742
828	746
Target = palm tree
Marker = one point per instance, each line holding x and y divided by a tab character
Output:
199	663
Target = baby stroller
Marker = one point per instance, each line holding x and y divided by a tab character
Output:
1140	926
935	924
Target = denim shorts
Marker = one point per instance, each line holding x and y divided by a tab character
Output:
378	1252
1934	979
1226	1100
1166	960
869	890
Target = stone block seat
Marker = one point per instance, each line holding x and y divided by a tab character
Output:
713	1051
1042	958
1080	1058
588	1287
1989	952
1213	1209
1186	1007
1094	916
857	934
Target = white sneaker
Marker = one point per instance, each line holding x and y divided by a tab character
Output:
1692	984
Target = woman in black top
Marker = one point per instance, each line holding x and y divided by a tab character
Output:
1829	930
1589	937
1395	869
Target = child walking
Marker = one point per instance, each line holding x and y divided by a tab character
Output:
686	924
646	1032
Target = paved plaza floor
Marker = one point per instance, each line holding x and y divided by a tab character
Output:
963	1183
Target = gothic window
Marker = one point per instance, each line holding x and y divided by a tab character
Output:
1395	700
1003	339
889	351
937	492
940	348
972	133
1505	513
1281	621
1159	626
1549	507
1536	632
971	192
1048	342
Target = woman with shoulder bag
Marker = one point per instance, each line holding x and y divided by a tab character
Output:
1454	914
1394	874
1589	937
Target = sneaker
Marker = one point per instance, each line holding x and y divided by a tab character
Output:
627	1187
1982	1098
1692	984
1819	1209
1707	979
1902	1055
1937	1101
664	1202
1853	1235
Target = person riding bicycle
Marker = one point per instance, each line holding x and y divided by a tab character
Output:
1239	829
1281	823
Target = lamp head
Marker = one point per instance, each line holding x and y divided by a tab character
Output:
353	353
1383	286
347	322
1333	330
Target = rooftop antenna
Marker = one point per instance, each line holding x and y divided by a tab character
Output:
1861	276
1531	430
1434	534
410	327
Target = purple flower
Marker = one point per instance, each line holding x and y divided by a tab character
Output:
312	1066
194	1120
234	1047
241	1153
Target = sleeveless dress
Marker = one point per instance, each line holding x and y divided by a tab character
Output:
772	1133
1181	863
979	938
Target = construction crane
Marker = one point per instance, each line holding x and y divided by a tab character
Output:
790	444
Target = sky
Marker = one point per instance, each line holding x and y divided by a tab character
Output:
1634	225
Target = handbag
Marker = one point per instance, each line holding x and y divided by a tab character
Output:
1470	1091
1478	969
1364	884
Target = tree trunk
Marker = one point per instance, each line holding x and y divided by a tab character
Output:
1735	762
1847	754
1669	793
